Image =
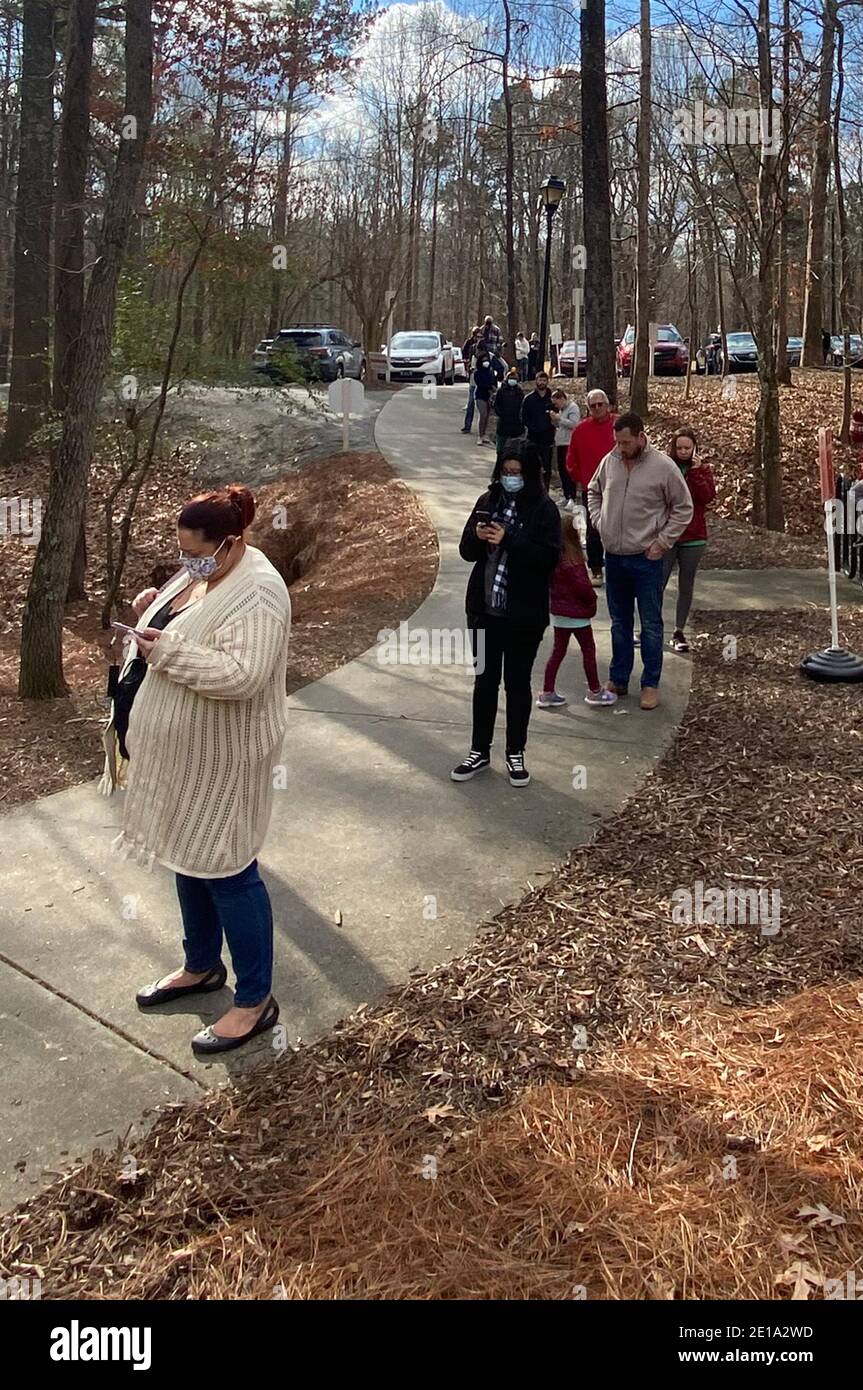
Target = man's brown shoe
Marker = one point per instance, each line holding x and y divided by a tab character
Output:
649	697
616	689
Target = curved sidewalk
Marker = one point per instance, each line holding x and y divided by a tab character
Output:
377	863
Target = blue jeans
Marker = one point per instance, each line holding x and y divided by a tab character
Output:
468	415
240	907
631	579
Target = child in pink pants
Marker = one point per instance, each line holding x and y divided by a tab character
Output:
572	601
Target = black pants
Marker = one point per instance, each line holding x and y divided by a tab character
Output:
565	481
499	648
545	451
595	552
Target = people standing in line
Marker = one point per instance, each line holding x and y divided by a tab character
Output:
572	602
568	416
522	355
486	376
540	419
688	551
507	408
591	440
512	538
204	734
468	352
640	504
533	362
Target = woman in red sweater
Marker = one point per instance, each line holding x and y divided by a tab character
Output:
572	603
687	552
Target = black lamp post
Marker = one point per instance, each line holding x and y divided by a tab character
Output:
549	196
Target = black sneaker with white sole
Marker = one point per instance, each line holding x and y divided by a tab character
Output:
518	773
473	763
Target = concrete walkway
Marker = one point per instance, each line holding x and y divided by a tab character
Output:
377	863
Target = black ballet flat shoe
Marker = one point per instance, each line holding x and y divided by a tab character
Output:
151	995
207	1043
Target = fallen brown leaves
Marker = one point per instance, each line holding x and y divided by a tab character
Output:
364	553
458	1139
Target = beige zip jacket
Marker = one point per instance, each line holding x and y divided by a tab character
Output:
633	505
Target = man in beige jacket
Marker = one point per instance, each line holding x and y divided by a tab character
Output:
639	503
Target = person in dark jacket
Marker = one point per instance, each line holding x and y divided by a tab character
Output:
540	419
487	374
688	550
507	408
572	601
512	537
533	357
468	352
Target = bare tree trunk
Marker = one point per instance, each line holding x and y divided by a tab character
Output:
783	370
71	187
69	231
29	387
844	241
598	294
767	461
509	200
813	306
41	673
641	355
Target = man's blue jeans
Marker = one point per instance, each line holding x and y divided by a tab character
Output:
468	415
239	907
631	580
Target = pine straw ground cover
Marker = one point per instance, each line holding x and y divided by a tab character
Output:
558	1165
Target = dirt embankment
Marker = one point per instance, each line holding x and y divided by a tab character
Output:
356	549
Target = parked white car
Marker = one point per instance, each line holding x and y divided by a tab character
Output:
458	364
418	354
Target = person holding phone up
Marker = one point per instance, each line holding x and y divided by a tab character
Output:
202	729
512	537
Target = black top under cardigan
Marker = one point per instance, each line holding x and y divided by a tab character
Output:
533	552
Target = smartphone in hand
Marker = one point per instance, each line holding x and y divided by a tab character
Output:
124	627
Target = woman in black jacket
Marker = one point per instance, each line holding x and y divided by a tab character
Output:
512	537
507	408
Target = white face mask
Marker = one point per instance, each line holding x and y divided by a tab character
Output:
201	566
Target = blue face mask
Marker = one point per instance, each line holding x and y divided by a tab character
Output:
512	482
200	566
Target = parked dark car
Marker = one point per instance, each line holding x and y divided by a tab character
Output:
571	362
836	355
742	353
322	353
670	353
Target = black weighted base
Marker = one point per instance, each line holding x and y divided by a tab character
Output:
832	664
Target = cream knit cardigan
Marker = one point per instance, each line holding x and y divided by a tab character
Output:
206	726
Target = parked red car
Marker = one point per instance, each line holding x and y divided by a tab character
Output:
670	354
570	364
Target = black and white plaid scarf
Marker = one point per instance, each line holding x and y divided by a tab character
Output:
505	518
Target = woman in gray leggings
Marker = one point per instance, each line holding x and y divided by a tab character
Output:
687	552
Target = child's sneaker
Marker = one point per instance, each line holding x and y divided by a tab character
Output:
600	697
679	642
549	699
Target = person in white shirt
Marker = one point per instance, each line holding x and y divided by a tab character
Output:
569	415
522	353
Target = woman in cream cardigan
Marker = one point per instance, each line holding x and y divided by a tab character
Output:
203	736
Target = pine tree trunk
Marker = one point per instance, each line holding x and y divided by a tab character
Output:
813	306
41	673
71	187
29	387
641	356
598	294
